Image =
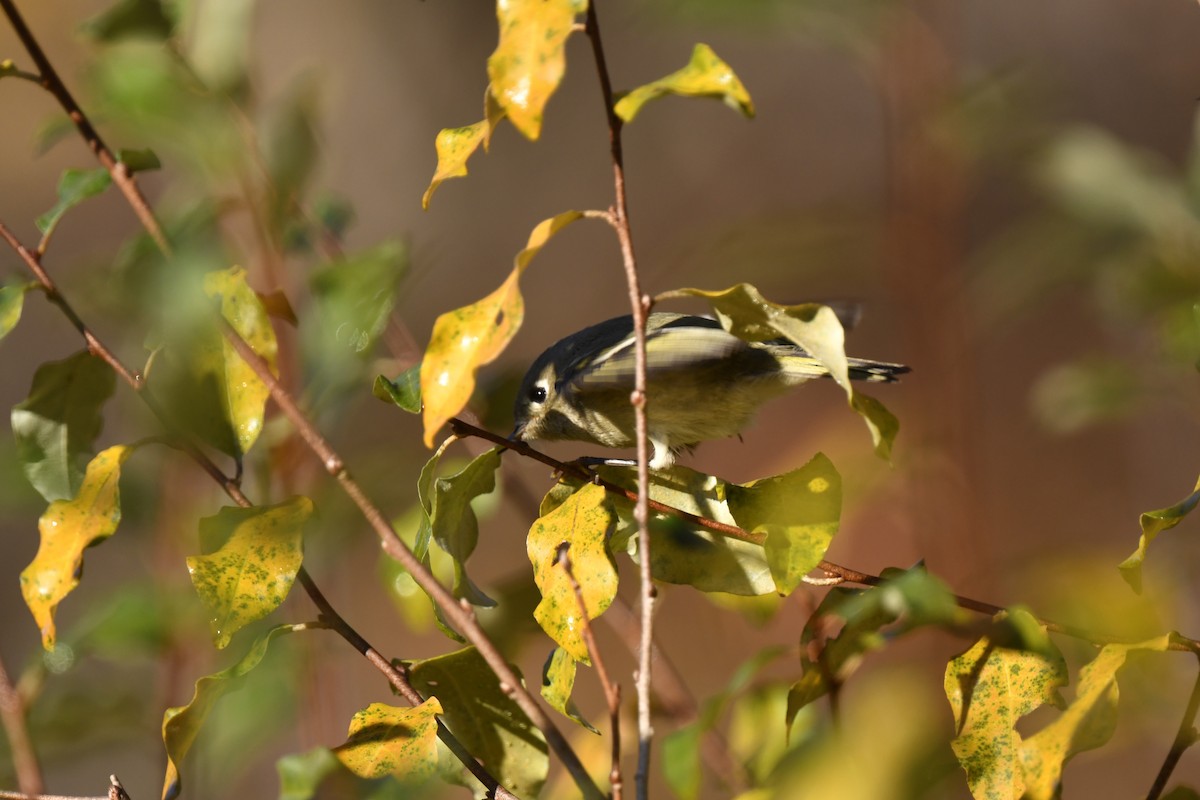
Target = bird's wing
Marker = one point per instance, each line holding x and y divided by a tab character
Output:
669	351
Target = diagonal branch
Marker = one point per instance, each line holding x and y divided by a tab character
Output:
1184	738
24	758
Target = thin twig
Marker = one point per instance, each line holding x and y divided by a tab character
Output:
612	691
115	792
24	758
458	614
1184	738
49	80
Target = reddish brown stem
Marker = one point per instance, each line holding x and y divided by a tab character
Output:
24	758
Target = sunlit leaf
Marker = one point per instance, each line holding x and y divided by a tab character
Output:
219	44
583	523
12	301
1087	723
705	75
486	720
990	688
1153	523
75	186
181	724
455	145
469	337
56	425
386	740
253	571
558	681
67	528
148	19
816	328
453	524
529	61
139	160
404	392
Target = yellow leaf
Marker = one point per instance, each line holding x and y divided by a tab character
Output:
469	337
385	740
529	61
705	75
558	681
67	528
456	145
584	522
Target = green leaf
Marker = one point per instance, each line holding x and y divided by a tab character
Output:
404	392
253	571
558	681
456	145
290	148
990	688
301	774
486	720
799	512
182	724
56	425
12	301
67	528
1087	723
465	339
1153	523
385	740
75	186
453	524
219	44
816	328
144	160
133	19
583	522
529	61
1182	793
705	75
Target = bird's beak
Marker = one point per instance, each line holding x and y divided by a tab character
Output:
518	433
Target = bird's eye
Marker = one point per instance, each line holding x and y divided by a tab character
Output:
537	394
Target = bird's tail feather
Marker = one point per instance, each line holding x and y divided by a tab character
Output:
861	369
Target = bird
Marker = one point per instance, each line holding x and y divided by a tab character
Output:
702	383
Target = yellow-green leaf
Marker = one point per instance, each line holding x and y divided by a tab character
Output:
558	681
486	720
1153	523
1087	723
705	75
181	724
453	523
386	740
253	571
529	61
75	186
404	392
12	301
67	528
455	145
816	328
990	688
583	522
465	339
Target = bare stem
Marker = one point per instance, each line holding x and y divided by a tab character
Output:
24	758
115	792
52	83
1185	738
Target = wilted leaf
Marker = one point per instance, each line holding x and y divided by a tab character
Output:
68	528
404	392
705	75
75	186
455	145
529	61
453	524
128	19
12	301
486	720
182	724
583	522
816	328
469	337
385	740
253	571
558	681
56	425
1153	523
1087	723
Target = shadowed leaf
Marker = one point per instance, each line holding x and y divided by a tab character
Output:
404	392
1153	523
453	524
139	160
385	740
147	19
75	186
705	75
558	681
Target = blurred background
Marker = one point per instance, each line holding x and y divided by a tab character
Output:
1010	190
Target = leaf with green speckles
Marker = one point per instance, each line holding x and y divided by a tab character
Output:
705	75
1153	523
12	301
253	570
558	681
529	61
67	528
816	328
486	720
1087	723
455	145
465	339
181	724
990	688
799	512
583	522
453	524
386	740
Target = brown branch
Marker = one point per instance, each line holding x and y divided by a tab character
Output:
115	792
1184	738
50	81
24	758
612	691
639	305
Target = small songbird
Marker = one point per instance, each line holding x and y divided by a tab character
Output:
702	383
